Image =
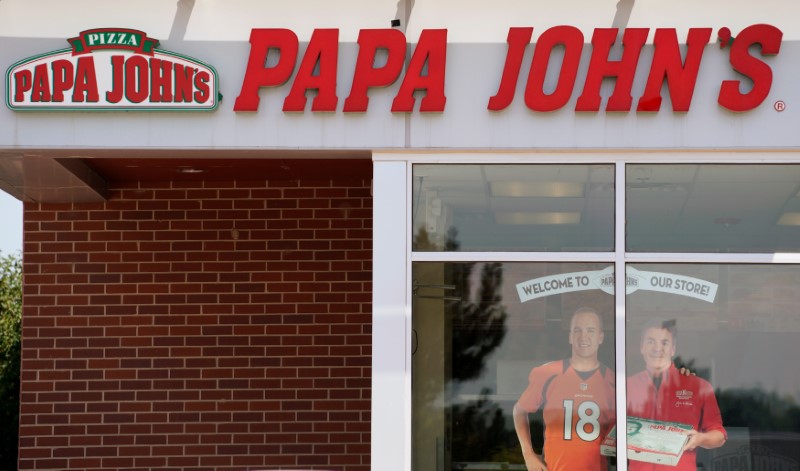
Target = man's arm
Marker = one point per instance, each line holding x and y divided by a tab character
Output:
710	439
715	435
532	461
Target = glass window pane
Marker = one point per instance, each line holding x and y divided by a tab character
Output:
539	208
490	339
738	328
713	208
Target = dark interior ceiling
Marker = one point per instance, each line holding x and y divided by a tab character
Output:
219	169
85	175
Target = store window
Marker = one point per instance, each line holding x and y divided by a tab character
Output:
735	325
712	281
490	340
713	208
531	208
738	328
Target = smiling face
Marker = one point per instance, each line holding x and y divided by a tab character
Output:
658	348
586	335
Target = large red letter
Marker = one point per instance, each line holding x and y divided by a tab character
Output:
769	37
160	80
85	81
257	74
518	40
41	84
667	65
323	48
623	70
431	49
63	78
203	92
572	40
136	74
22	84
366	75
184	77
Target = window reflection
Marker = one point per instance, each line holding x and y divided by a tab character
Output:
481	330
742	343
713	208
544	208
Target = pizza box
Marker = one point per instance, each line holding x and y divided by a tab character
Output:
609	445
653	441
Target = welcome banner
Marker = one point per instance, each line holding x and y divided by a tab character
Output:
604	280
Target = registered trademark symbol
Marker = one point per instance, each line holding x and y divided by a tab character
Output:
780	106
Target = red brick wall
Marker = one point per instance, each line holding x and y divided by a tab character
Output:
199	326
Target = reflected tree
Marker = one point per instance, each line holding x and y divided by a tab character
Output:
477	319
478	324
481	431
753	408
424	241
759	410
772	423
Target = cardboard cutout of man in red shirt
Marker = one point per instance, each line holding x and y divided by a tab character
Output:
661	392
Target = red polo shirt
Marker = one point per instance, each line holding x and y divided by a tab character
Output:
685	399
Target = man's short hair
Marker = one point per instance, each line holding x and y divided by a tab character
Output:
589	310
670	325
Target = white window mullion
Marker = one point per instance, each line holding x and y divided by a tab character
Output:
391	447
583	257
408	352
715	258
619	318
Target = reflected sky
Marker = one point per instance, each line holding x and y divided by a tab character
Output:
11	214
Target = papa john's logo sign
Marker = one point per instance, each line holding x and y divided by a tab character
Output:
112	69
670	69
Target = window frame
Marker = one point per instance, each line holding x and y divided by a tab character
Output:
392	282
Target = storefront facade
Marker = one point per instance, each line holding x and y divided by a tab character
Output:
225	270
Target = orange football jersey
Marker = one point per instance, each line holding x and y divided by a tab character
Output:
578	410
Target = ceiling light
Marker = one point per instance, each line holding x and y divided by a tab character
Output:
727	222
669	187
190	170
789	219
537	189
531	218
